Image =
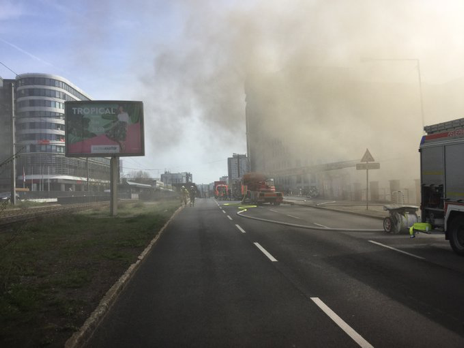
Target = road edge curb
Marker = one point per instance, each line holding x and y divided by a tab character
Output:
80	337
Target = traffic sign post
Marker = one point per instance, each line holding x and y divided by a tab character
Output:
367	157
366	166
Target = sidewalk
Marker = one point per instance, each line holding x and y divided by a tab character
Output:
353	207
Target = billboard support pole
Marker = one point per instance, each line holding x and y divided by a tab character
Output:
114	168
87	165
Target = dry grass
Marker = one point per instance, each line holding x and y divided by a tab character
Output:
53	273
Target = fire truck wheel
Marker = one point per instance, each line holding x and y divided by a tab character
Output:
388	225
456	235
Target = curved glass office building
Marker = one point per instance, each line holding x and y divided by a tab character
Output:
40	138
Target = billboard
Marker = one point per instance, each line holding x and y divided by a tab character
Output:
104	128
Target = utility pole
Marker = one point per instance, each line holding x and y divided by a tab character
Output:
367	185
13	151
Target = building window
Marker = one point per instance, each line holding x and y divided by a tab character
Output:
34	81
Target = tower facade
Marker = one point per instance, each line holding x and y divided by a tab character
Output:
40	138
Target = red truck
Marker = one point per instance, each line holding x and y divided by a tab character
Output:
238	189
442	184
260	189
220	190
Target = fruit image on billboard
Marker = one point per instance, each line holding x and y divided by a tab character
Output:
104	128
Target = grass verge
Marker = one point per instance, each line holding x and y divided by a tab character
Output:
54	272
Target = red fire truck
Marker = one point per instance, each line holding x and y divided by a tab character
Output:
260	189
442	182
220	190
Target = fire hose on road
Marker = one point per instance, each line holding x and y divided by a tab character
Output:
240	213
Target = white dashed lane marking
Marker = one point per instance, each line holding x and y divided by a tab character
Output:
397	250
265	252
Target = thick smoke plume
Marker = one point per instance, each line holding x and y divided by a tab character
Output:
306	61
333	77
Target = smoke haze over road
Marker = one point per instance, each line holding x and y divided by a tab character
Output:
189	61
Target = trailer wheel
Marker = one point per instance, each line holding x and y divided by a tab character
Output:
388	225
456	235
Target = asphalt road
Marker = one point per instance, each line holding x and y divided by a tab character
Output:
217	279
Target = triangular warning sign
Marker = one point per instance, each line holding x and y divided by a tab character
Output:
367	157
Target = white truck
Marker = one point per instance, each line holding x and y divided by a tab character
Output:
442	181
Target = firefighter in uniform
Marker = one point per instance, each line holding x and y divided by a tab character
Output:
193	193
183	195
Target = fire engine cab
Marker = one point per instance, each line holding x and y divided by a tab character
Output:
442	181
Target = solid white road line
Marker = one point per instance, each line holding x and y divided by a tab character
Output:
295	217
274	211
320	225
240	229
341	323
229	217
270	257
398	250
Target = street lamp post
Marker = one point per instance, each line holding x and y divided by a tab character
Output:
13	150
418	73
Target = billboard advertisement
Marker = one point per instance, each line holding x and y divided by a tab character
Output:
104	128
